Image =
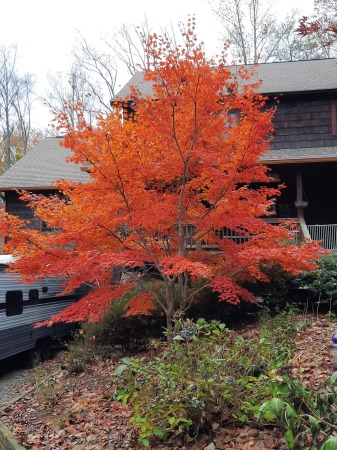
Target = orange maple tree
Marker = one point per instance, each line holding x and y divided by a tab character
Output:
164	189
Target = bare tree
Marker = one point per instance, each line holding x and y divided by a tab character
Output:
92	78
289	45
91	82
255	33
15	107
98	70
129	46
69	90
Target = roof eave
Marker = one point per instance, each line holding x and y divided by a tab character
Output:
27	188
295	160
297	93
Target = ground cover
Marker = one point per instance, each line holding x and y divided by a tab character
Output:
78	411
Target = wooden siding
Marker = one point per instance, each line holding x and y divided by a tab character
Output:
20	209
301	122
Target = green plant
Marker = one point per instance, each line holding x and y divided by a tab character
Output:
48	387
277	334
330	444
206	374
60	421
299	412
276	294
321	283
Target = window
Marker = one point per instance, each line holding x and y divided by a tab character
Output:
14	303
334	118
45	228
233	118
33	296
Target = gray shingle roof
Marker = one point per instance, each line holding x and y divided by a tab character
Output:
282	77
298	76
145	87
41	166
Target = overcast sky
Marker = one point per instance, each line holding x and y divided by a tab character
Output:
46	31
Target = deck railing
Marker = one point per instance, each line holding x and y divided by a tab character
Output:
239	237
327	234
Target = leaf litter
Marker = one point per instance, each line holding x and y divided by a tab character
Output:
77	411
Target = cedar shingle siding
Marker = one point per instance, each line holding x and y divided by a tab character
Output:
304	122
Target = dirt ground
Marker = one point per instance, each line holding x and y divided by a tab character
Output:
77	411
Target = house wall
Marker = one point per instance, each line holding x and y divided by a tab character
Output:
304	121
17	207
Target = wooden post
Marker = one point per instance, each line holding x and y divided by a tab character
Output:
300	205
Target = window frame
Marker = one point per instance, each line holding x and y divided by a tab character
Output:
33	296
334	117
16	297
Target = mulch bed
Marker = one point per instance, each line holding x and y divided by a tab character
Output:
77	411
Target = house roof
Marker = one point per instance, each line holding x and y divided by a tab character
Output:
46	163
277	78
42	166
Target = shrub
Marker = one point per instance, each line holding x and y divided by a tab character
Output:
322	282
277	334
113	334
206	304
208	373
116	333
48	387
80	353
278	293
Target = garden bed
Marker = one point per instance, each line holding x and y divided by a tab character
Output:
77	411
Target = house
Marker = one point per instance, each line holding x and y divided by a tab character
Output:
36	172
303	152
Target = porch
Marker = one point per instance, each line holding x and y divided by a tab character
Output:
309	197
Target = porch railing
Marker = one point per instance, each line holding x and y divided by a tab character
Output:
327	234
239	237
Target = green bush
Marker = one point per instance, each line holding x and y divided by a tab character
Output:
321	283
207	374
278	293
116	333
278	334
113	334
